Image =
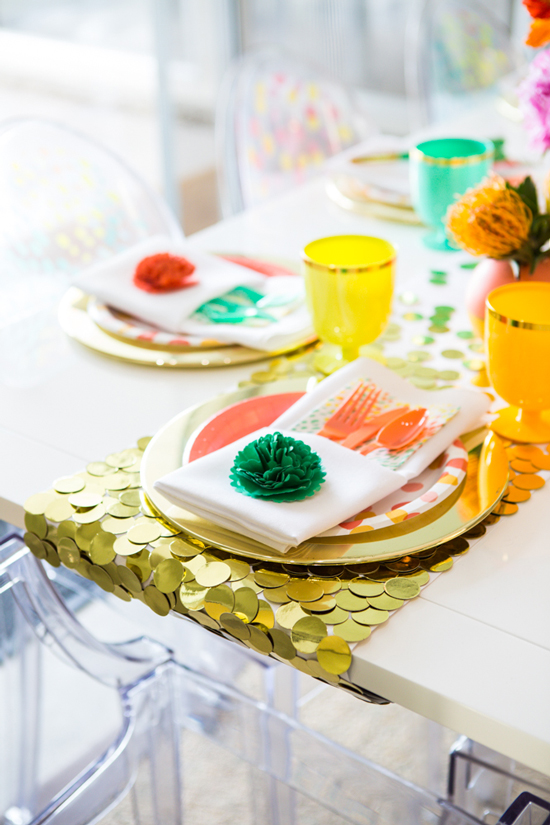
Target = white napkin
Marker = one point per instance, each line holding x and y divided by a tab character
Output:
112	283
353	482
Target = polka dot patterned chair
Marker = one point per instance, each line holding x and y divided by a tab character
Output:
277	122
65	202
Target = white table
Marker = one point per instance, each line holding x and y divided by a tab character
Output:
473	652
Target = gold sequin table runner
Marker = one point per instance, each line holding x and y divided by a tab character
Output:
98	523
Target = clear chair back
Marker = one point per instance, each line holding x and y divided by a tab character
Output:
277	122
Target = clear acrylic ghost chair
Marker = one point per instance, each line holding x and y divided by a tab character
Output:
164	705
457	52
65	202
277	120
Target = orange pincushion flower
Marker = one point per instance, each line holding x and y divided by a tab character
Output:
490	220
537	8
539	33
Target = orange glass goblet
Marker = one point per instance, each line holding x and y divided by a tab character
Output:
517	338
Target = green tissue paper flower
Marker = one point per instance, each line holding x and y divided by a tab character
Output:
277	468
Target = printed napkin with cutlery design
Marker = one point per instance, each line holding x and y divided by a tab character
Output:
353	481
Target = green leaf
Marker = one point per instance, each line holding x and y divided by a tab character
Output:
528	193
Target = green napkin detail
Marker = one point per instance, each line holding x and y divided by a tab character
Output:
277	468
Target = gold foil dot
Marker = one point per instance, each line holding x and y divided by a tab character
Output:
119	460
144	533
350	601
528	482
183	549
35	545
288	614
67	528
521	465
36	505
101	578
122	594
282	644
304	590
452	353
371	616
69	484
87	498
323	605
307	633
259	641
218	600
506	509
101	549
157	601
385	602
352	632
89	516
68	552
116	481
402	588
363	587
334	655
130	497
129	579
270	579
336	616
448	375
168	575
195	564
246	605
235	626
117	525
98	468
144	441
265	615
239	569
213	573
514	495
525	451
192	595
277	595
541	461
59	510
439	565
37	525
318	672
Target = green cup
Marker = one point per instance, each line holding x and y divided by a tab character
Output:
441	170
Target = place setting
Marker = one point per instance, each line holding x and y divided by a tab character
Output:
163	303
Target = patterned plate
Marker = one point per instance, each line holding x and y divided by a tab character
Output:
416	497
485	482
137	332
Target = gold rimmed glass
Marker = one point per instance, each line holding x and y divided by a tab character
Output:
349	287
517	334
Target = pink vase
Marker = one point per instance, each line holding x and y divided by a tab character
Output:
487	275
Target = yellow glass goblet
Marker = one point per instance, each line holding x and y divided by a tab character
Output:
517	336
349	287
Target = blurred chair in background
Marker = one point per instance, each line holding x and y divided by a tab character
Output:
277	121
456	55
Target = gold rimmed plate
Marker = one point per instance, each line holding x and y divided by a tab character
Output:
77	323
485	483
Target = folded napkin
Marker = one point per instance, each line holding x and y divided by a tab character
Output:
353	482
112	283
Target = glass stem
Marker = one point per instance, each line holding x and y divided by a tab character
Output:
350	353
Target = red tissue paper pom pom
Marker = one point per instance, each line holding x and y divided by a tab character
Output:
164	273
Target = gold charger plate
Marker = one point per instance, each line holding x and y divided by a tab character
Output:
483	487
76	323
371	208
